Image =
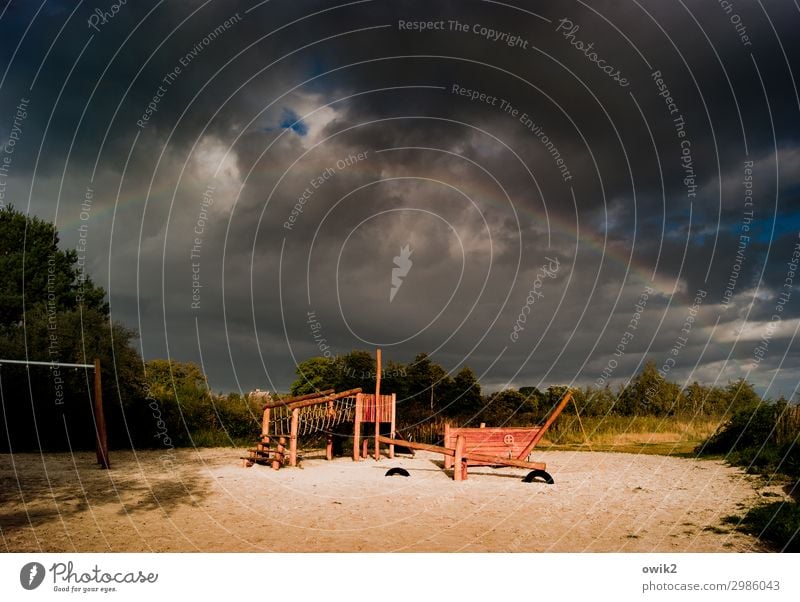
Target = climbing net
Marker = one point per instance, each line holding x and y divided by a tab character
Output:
313	419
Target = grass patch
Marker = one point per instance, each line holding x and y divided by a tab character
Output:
777	523
669	436
678	450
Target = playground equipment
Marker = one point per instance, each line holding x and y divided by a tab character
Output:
285	421
101	442
289	419
503	446
507	442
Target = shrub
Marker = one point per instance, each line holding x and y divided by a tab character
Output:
777	523
747	431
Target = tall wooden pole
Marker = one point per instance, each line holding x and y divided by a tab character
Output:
377	402
293	437
448	461
100	442
357	427
394	424
548	423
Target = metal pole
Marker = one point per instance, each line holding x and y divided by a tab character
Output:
51	364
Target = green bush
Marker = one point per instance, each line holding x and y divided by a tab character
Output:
777	523
764	439
747	431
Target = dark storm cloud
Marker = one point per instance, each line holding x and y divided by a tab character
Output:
482	200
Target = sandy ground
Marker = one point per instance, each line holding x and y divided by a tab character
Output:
204	500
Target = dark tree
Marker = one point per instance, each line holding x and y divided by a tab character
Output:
36	273
51	311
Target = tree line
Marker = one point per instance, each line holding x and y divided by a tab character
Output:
50	310
425	390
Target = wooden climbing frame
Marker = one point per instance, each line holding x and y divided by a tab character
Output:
285	421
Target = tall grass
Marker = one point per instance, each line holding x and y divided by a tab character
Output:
636	433
627	430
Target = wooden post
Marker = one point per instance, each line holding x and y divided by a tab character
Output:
293	437
101	443
458	469
393	431
329	443
357	427
448	461
265	425
277	460
377	401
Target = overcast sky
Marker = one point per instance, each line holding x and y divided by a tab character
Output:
247	175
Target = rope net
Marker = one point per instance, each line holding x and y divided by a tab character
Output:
312	419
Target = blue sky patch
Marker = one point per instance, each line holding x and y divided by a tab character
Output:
291	121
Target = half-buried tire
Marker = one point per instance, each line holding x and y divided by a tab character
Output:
538	476
397	472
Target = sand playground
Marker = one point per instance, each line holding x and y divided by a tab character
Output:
204	500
